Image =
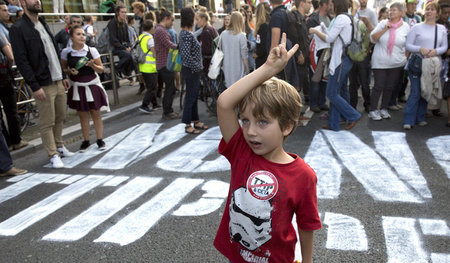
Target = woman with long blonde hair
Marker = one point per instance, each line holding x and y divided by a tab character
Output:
234	46
262	25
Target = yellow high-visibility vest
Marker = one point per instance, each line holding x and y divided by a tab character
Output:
149	66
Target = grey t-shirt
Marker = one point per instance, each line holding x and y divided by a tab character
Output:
370	14
54	64
325	19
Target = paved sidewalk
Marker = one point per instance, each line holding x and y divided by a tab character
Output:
128	101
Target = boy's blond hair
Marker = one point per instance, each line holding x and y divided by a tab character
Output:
276	98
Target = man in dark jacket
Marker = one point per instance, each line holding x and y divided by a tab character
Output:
37	58
118	37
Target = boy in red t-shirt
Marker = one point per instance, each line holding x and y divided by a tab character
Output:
267	186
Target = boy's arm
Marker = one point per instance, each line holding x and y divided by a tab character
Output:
227	101
306	243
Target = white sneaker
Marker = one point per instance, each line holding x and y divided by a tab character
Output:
385	114
64	152
56	161
407	127
423	123
375	115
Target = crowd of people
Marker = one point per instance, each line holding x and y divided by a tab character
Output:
322	70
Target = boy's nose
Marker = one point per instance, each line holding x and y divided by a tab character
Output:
251	130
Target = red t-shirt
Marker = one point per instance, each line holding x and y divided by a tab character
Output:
257	222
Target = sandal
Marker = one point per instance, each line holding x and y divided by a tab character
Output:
200	126
191	130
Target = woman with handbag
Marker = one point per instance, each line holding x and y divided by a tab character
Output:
426	40
206	38
388	60
191	61
233	43
340	34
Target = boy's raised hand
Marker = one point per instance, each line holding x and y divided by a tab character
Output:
279	56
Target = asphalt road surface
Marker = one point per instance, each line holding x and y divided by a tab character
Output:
157	194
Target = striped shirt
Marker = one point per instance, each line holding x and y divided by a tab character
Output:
162	46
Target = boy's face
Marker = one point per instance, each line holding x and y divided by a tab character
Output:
264	136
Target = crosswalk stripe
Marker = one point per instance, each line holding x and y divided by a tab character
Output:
138	222
439	148
101	211
369	169
402	240
328	172
111	141
162	140
393	147
130	148
42	209
23	186
345	233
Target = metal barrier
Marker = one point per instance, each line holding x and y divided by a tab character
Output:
113	79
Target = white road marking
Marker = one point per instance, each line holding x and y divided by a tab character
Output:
188	157
111	141
402	240
57	178
15	224
19	177
138	222
328	172
369	169
434	227
135	143
216	192
440	258
118	179
439	147
73	178
345	233
23	186
162	140
394	147
101	211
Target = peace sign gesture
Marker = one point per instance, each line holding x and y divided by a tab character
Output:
279	56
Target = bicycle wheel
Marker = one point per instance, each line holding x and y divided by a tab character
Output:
24	108
211	93
182	93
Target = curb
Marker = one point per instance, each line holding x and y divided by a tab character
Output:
72	134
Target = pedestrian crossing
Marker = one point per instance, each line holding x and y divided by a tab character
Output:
386	169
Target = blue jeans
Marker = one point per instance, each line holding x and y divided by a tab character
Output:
190	110
339	106
416	106
317	93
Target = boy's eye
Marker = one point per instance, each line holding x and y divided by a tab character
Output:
263	122
245	121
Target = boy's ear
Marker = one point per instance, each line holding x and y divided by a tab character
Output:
288	130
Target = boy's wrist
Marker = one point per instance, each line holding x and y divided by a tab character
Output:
268	71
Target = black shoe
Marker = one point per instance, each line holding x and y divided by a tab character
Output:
84	146
156	106
101	144
171	116
324	107
437	113
145	109
315	109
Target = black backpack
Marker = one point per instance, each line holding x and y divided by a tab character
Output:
294	30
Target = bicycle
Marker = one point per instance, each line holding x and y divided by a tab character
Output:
210	90
26	106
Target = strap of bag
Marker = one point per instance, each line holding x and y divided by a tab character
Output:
435	36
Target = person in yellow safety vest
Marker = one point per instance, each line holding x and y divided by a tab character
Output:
148	68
